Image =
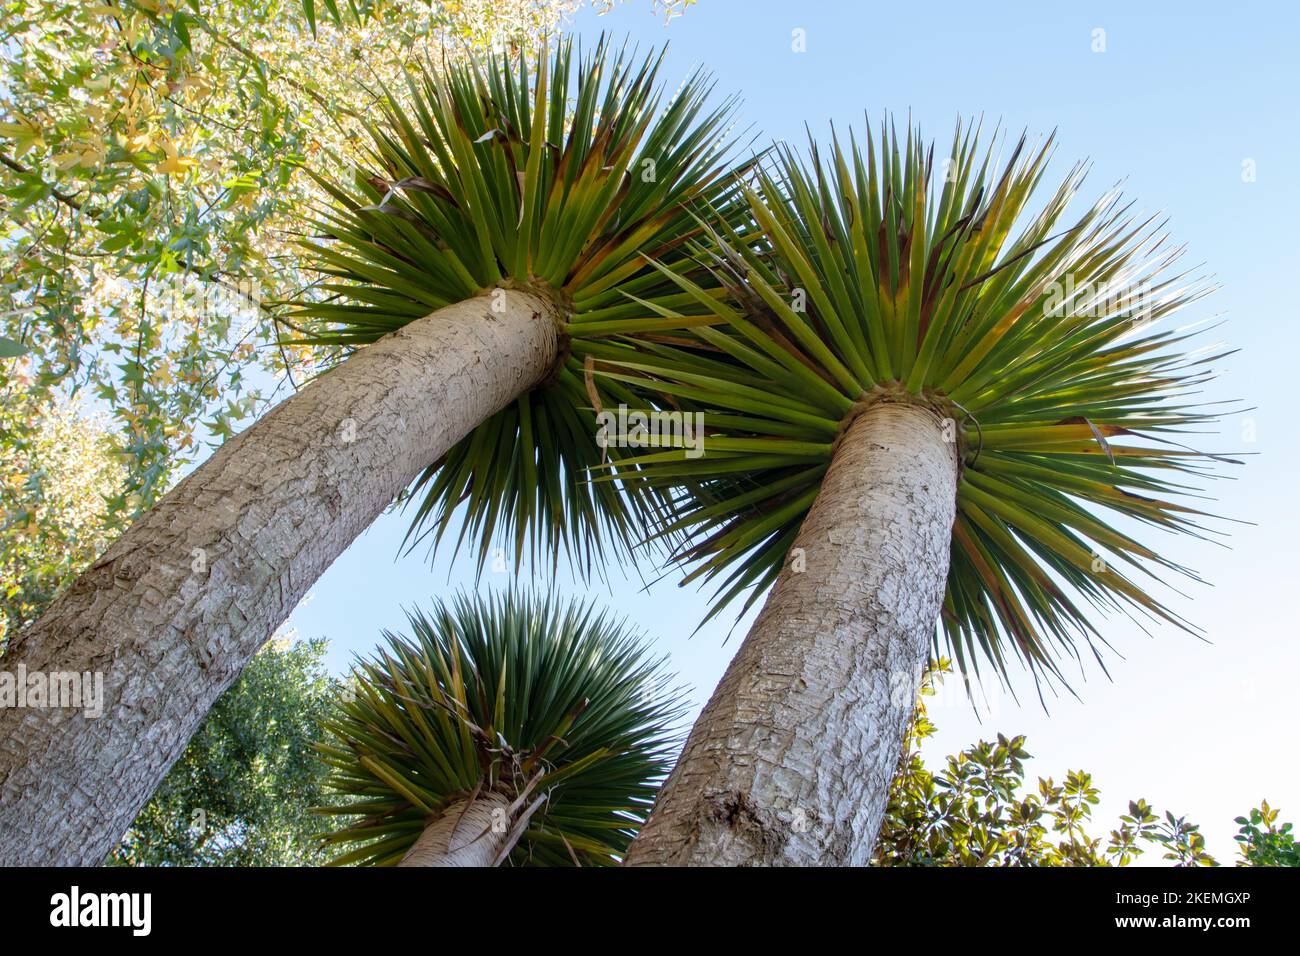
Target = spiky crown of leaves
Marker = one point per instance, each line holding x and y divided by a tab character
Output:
873	273
559	177
532	698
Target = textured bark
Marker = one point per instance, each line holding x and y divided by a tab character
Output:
791	760
465	834
175	608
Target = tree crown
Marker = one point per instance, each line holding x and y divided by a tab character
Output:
865	275
560	179
556	706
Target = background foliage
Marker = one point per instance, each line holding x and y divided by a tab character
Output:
149	176
57	471
241	793
977	811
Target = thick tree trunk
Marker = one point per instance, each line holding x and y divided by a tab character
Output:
175	608
465	834
790	762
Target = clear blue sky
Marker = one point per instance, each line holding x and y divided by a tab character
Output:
1182	95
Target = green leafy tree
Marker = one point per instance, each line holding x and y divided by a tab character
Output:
976	810
1264	842
509	730
927	398
241	794
57	473
150	193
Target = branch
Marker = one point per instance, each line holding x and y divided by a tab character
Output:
66	198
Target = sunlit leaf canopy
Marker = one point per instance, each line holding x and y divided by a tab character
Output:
559	177
871	272
360	11
513	694
149	168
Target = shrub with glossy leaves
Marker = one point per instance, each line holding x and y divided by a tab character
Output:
976	810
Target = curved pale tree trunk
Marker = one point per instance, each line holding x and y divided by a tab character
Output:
176	607
477	833
791	760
